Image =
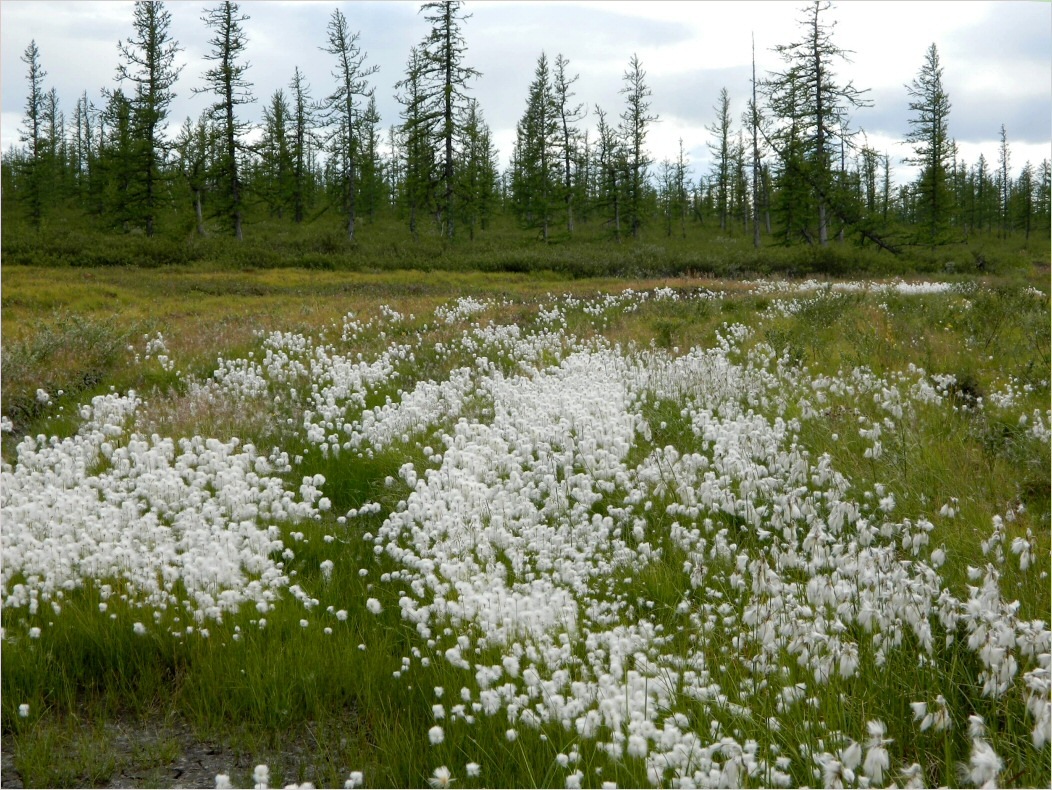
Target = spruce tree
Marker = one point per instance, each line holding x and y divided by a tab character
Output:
371	181
119	161
476	171
275	180
192	146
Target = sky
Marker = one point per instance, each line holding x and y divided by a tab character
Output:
996	57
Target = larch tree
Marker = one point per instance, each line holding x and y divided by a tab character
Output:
32	133
226	79
754	120
476	171
275	180
1004	184
85	151
344	107
371	181
54	148
193	145
636	119
819	103
536	177
302	138
118	160
612	167
721	153
418	138
569	114
932	147
148	62
445	78
1023	199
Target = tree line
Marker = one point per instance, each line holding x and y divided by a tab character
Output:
791	170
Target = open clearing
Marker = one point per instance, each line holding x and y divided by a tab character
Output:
395	530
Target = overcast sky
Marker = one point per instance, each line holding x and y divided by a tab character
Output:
997	59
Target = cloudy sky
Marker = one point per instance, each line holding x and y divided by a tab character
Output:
997	59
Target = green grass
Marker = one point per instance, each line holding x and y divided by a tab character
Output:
384	244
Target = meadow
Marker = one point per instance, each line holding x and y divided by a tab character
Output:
516	529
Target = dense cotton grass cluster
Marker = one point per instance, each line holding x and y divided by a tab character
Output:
157	522
632	547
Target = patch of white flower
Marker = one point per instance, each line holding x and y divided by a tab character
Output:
559	472
187	523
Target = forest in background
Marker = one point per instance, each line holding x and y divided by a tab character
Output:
323	183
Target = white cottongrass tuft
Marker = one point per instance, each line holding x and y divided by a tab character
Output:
261	775
23	710
984	765
354	780
374	606
436	735
877	758
472	769
441	777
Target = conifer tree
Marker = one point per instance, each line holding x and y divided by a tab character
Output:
814	104
149	64
445	77
275	181
226	79
371	182
569	114
721	152
344	108
635	123
32	133
1003	181
192	147
536	177
418	135
612	172
932	147
754	121
302	108
118	161
476	171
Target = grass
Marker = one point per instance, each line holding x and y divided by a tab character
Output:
383	244
316	705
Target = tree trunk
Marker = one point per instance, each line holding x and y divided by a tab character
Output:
199	213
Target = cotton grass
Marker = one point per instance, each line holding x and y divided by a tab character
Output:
632	550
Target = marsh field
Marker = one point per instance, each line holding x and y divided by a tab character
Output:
273	527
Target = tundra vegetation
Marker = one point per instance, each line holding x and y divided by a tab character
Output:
335	455
512	530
